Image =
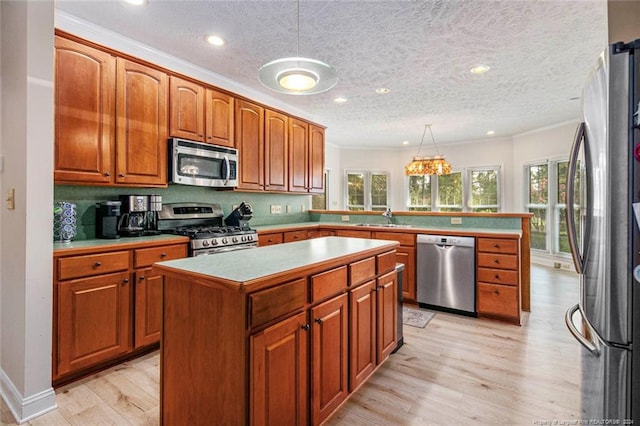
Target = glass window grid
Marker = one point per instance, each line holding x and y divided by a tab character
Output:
374	188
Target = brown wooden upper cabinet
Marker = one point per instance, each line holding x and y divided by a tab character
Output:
200	113
249	121
306	157
110	118
276	148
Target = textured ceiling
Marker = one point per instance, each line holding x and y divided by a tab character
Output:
539	53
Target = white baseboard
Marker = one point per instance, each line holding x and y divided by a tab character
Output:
25	409
552	262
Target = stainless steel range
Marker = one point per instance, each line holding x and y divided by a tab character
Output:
202	223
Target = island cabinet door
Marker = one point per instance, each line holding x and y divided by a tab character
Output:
93	322
329	379
148	307
362	331
279	373
387	298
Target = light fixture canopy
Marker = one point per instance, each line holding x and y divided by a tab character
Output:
298	75
420	166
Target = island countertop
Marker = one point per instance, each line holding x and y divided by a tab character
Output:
243	267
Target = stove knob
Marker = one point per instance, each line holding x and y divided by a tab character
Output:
249	237
234	239
243	239
214	242
205	243
224	241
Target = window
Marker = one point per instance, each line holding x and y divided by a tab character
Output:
450	192
484	190
419	193
546	199
367	190
475	189
538	204
319	201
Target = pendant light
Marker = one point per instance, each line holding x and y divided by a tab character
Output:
420	166
298	75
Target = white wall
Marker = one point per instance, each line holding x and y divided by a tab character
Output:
26	232
491	152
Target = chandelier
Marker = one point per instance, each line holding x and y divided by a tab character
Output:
298	75
421	166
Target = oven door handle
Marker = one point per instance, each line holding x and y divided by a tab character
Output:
227	166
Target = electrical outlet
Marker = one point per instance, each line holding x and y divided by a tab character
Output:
456	221
345	218
288	209
303	208
276	209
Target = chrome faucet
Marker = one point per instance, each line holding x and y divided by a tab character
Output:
388	215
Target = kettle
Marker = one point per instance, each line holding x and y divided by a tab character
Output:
240	216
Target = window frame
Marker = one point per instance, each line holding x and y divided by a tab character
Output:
366	188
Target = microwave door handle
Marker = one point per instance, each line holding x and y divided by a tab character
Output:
578	257
226	164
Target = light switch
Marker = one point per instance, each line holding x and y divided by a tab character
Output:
11	199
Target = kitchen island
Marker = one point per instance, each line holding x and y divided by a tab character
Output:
274	335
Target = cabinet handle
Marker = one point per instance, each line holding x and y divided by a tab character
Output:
496	292
496	261
121	175
142	277
496	245
319	320
125	281
496	276
163	254
107	174
270	240
97	264
306	327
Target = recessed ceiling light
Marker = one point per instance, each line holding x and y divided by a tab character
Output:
215	40
340	100
479	69
405	142
382	91
136	2
491	132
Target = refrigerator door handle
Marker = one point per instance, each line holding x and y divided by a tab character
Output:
578	257
591	346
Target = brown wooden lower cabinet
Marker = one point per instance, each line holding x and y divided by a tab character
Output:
148	307
329	378
362	345
279	373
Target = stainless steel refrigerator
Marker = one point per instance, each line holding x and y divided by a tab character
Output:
604	237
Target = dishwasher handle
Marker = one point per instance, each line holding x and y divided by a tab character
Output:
446	240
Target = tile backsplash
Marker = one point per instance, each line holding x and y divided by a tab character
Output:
294	207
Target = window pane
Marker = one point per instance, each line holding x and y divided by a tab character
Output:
419	193
450	192
378	192
538	184
355	183
484	188
561	168
538	228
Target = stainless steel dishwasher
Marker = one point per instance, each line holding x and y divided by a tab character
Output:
445	273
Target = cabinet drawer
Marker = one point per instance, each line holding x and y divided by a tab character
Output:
386	262
498	245
148	256
295	236
498	276
403	239
362	271
498	300
93	264
328	283
353	233
499	261
272	303
269	239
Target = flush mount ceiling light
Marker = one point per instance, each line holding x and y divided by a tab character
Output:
382	91
136	2
340	100
480	69
421	166
215	40
298	75
491	132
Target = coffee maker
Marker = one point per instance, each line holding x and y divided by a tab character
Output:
134	211
107	213
151	217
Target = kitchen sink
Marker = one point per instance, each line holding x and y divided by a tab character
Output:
384	225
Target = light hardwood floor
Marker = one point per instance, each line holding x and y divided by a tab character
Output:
457	370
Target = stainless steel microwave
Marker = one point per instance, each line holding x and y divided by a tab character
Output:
202	164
